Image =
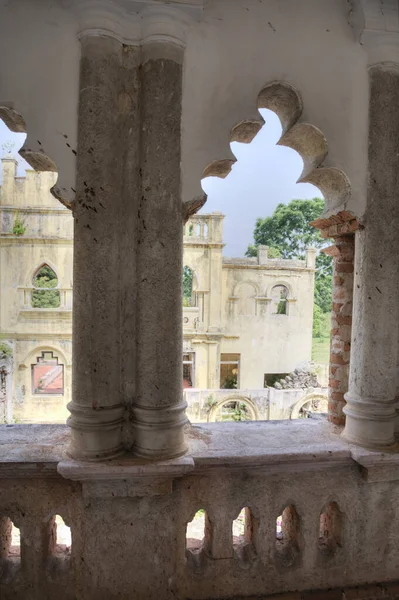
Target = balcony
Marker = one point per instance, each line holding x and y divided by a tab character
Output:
338	508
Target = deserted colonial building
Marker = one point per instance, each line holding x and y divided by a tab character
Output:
132	103
243	319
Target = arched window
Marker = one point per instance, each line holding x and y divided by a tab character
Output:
44	295
279	300
189	294
47	375
246	299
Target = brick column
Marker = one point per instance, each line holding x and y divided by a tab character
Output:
341	228
343	252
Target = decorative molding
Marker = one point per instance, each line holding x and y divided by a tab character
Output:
376	26
126	477
137	22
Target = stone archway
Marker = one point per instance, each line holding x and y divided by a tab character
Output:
241	408
318	403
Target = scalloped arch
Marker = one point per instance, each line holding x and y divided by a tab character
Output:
305	138
39	161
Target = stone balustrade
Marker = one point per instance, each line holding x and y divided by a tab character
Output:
318	513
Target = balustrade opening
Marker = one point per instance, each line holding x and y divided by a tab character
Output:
330	532
10	539
287	535
195	531
242	534
61	538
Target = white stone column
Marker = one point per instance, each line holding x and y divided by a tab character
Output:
159	409
370	409
104	244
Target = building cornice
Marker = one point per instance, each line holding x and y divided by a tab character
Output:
18	240
376	26
62	210
266	268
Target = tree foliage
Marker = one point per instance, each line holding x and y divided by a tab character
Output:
187	286
44	296
289	231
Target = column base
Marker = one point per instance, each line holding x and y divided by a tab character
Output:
96	434
159	432
369	422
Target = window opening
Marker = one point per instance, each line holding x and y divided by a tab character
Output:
188	370
44	295
229	371
270	378
189	294
47	375
279	300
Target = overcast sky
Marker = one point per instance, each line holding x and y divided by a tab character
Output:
263	176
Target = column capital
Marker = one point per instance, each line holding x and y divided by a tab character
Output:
376	26
137	22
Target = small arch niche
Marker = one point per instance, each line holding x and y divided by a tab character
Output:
44	295
287	536
330	531
246	305
279	297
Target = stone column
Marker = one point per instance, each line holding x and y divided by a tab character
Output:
341	325
370	409
104	243
159	409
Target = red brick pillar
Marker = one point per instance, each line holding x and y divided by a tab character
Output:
343	253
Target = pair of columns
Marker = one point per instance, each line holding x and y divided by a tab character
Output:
128	242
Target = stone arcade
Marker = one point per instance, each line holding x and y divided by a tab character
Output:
132	103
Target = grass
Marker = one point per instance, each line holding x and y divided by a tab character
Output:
321	350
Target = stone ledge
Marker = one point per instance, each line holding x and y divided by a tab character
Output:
37	450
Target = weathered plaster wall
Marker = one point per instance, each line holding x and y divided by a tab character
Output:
241	46
236	49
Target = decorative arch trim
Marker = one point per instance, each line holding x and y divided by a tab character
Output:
196	286
253	409
279	282
304	400
38	160
30	356
246	282
306	139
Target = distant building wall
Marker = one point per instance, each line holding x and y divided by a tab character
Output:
37	335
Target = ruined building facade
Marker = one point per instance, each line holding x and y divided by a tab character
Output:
243	319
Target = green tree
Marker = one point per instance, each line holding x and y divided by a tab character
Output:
187	286
289	231
43	297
